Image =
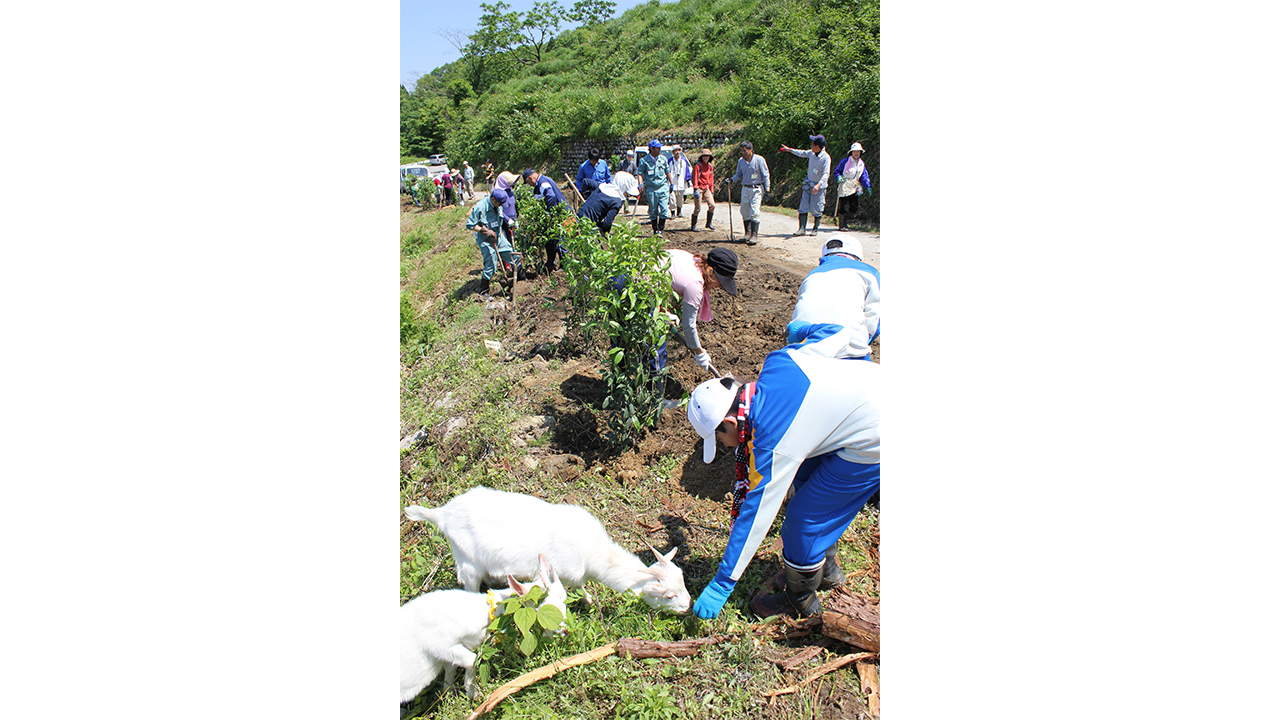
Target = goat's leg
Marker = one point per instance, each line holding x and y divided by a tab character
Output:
462	657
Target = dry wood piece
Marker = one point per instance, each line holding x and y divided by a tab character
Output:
852	618
803	656
541	673
576	194
637	648
870	680
823	670
632	647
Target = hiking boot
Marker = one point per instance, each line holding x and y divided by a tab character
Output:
799	599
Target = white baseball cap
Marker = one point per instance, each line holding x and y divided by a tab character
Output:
708	405
842	243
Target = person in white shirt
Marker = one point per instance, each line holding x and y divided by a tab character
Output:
681	177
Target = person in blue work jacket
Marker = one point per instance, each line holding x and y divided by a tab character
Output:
810	421
655	175
545	189
487	220
842	291
593	167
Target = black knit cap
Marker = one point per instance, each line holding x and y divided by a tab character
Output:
725	264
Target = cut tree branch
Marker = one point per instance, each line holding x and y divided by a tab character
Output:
823	670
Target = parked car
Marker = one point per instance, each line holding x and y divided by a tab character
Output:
437	160
408	172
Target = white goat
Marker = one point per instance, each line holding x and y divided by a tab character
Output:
443	629
493	534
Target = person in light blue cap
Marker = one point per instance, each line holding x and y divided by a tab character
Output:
655	175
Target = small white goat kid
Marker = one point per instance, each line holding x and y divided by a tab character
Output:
493	534
443	629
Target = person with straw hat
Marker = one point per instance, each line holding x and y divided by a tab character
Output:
704	187
852	180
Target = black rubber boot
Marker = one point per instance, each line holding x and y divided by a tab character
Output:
816	219
484	287
800	599
804	220
693	222
832	575
753	226
709	214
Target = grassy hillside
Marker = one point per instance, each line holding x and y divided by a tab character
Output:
776	69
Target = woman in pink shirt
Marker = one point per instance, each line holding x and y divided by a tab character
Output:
692	277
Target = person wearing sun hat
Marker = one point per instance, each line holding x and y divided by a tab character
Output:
704	188
809	421
852	180
842	291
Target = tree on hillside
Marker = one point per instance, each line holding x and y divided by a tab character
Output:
591	12
540	25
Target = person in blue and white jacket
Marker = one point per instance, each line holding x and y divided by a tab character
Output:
842	291
810	421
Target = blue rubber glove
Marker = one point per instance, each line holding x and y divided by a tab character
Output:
712	598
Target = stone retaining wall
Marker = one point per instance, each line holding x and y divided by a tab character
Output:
574	152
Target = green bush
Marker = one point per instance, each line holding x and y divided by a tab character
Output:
620	286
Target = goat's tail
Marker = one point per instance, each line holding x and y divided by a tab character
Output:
417	512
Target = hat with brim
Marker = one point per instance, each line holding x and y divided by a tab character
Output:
855	146
842	243
724	263
704	152
708	405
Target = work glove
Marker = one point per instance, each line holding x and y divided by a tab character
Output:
713	598
703	359
725	181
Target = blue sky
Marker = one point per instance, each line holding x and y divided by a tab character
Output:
422	50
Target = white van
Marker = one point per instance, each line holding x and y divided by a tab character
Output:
408	172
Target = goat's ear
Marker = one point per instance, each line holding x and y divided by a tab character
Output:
544	573
516	587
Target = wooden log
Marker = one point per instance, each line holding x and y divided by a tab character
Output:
637	648
870	680
823	670
541	673
852	618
